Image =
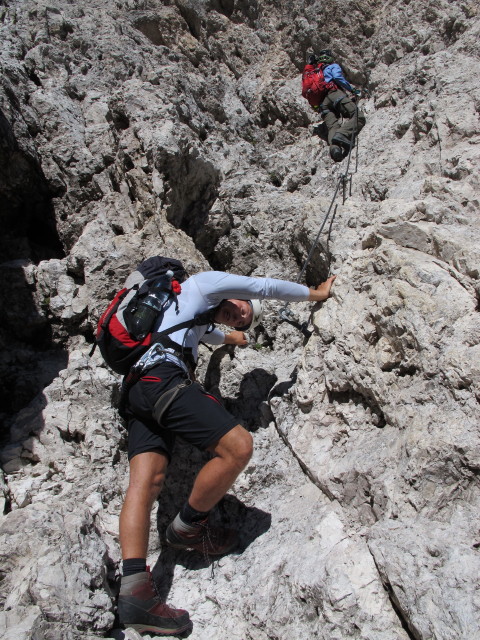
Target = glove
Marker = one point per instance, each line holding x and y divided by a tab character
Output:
357	92
312	59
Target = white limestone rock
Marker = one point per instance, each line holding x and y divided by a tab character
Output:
138	128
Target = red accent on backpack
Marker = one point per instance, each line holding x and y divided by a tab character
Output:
119	333
109	312
314	87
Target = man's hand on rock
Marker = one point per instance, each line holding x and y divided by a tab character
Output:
322	292
237	338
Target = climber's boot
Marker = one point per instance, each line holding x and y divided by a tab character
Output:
140	608
342	141
200	536
336	153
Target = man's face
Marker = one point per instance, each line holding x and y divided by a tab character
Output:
234	313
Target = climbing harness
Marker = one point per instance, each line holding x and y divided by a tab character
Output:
344	181
157	354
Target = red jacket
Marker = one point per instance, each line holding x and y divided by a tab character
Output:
314	87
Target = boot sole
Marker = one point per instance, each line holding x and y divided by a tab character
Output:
159	631
200	547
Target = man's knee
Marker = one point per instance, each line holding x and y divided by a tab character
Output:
236	446
148	487
157	481
347	107
244	448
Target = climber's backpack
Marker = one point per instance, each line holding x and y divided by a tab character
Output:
119	348
314	87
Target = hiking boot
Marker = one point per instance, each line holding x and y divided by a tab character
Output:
342	141
140	608
200	536
336	153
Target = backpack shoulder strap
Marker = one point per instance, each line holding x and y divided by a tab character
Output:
198	320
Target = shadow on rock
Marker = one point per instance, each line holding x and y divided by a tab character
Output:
250	403
30	359
249	523
182	471
282	388
321	131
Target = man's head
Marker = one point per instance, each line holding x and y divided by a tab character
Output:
325	56
239	314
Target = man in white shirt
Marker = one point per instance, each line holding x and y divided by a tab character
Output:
164	403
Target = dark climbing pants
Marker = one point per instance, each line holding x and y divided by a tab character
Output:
337	105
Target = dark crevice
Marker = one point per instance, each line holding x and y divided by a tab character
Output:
90	335
30	357
34	78
398	610
131	193
65	30
26	209
77	276
118	117
473	469
7	507
275	179
114	181
319	255
151	29
390	366
128	162
117	229
407	625
406	370
75	437
196	216
191	18
189	209
27	367
225	7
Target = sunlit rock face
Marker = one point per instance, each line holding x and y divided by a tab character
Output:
136	128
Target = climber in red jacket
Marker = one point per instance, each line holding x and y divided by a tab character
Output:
329	93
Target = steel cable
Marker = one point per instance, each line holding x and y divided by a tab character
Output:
284	313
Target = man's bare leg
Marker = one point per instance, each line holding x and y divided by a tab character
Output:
190	529
233	452
139	605
147	474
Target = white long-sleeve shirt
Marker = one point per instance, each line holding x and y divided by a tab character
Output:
205	291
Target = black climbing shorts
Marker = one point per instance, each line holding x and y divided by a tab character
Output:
195	415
